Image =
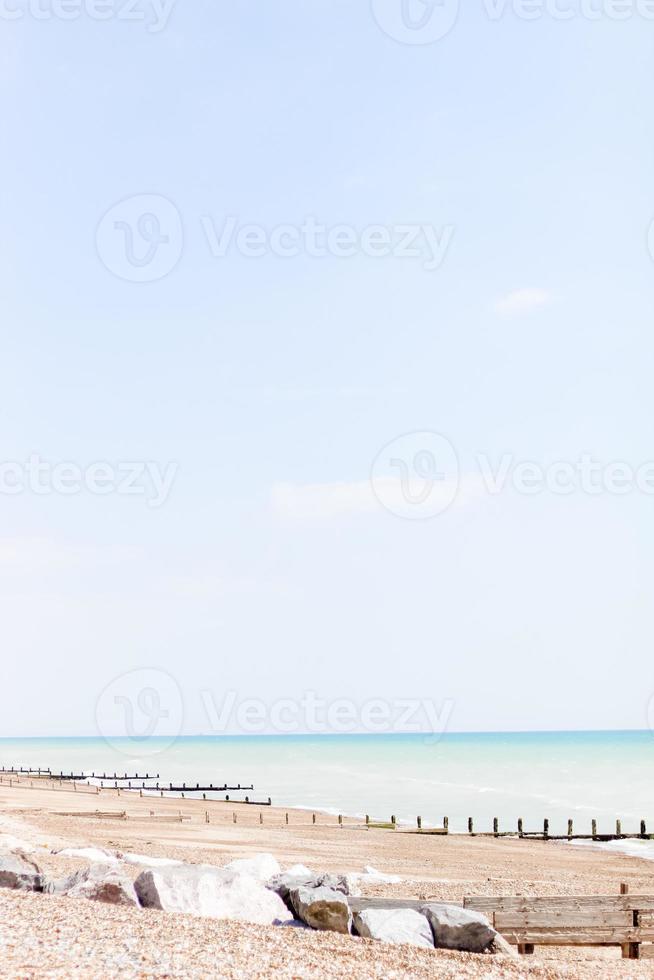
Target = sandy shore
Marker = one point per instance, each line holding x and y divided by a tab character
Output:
44	936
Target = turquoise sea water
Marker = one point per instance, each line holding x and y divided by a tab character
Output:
579	775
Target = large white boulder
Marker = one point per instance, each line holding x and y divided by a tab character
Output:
211	892
261	866
458	928
322	908
394	926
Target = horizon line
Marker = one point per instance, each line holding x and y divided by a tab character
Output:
291	735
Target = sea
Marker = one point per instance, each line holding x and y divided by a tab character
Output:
533	775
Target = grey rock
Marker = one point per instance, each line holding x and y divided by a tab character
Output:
284	884
457	928
61	886
99	883
322	908
18	871
394	926
215	893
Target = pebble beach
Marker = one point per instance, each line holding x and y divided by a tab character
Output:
44	935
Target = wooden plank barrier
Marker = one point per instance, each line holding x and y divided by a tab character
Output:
572	920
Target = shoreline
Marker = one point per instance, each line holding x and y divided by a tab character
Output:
425	867
627	846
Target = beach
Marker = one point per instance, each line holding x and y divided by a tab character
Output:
45	935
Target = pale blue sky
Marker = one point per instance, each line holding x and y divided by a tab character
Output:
534	142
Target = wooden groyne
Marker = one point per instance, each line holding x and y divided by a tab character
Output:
190	791
23	780
72	777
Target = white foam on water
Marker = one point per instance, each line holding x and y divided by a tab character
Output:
632	848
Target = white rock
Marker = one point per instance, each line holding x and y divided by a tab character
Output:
394	926
370	876
300	871
379	877
261	866
211	892
10	843
95	854
457	928
150	862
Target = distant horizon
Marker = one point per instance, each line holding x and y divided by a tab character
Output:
436	736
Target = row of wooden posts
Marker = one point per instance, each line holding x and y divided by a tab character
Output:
543	834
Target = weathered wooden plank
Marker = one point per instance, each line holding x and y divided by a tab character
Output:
564	919
647	951
526	903
96	814
646	918
578	937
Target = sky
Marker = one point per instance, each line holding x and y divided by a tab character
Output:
243	458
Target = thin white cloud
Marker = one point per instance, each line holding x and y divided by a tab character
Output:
522	301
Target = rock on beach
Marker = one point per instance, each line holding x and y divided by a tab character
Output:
394	926
322	908
457	928
98	883
18	871
216	893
